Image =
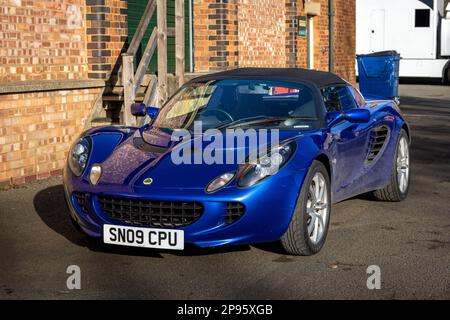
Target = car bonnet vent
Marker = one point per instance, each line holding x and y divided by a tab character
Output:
377	140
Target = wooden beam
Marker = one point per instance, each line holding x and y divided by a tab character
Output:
140	30
150	97
179	41
142	27
128	89
162	51
145	60
151	90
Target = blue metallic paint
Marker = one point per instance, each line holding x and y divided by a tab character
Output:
269	204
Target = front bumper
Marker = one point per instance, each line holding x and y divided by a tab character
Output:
268	208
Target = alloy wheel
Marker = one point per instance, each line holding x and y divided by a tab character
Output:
403	165
317	208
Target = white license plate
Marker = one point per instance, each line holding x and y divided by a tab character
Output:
143	237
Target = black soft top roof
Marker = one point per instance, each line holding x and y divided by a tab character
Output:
296	75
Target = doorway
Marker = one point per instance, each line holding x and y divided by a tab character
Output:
377	30
310	41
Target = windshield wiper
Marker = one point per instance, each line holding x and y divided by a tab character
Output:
250	121
260	120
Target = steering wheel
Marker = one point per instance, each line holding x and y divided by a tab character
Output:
220	112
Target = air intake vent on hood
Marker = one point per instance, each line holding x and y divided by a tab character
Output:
140	144
377	140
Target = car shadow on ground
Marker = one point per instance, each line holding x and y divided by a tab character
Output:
51	207
421	81
423	104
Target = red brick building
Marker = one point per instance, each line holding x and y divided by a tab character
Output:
58	59
251	33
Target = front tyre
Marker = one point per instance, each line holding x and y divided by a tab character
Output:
308	228
398	187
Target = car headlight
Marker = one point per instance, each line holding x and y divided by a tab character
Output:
79	155
266	166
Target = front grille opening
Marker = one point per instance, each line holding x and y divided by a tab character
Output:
169	214
235	210
81	199
377	140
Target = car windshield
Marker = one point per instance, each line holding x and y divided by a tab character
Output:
240	103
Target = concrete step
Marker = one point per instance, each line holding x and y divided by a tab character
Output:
104	121
120	98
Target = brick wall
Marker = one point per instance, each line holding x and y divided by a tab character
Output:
61	39
262	30
240	33
321	37
36	130
42	40
201	12
291	32
215	34
106	31
45	43
302	43
345	39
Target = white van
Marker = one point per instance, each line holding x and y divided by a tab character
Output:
418	29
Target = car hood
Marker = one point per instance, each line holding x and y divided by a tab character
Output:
148	154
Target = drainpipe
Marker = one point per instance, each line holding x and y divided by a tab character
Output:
331	35
191	37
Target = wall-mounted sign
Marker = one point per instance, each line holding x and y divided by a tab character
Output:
302	27
312	8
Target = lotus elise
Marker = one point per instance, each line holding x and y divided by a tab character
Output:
122	184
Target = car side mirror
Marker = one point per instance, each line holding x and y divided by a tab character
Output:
152	112
141	110
352	116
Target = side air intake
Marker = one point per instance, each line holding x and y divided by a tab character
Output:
377	140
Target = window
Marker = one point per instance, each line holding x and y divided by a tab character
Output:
338	98
422	18
357	96
221	102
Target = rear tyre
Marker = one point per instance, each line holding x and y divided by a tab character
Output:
398	187
308	228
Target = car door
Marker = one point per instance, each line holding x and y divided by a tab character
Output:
380	145
349	142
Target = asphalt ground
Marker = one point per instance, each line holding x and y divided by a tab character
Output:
409	241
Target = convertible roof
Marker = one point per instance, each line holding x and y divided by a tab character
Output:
296	75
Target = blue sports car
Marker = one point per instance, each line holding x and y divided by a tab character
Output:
191	172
